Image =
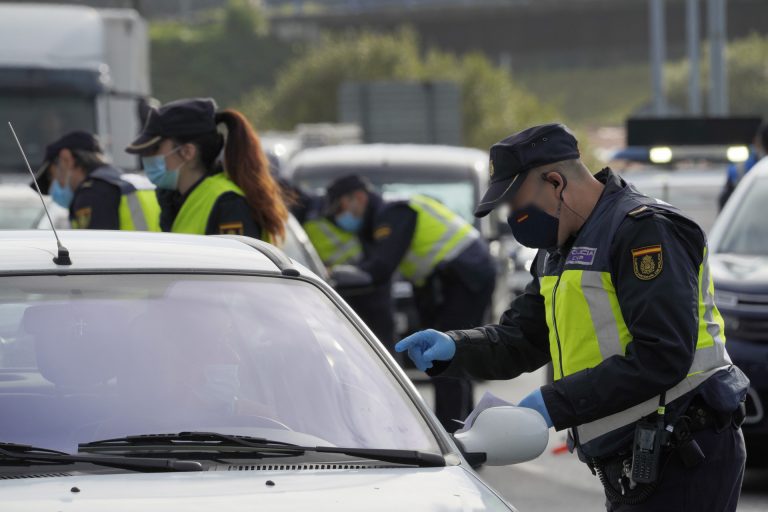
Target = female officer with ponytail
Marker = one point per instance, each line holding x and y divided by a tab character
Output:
180	147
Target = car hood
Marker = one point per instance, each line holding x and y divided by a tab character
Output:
424	490
740	272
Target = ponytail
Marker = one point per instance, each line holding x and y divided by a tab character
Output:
248	167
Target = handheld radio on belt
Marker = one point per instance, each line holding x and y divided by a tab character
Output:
646	450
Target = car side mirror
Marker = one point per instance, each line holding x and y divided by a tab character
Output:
350	280
505	435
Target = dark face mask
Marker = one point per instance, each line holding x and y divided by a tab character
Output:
535	228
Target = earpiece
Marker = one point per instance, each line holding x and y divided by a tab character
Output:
555	183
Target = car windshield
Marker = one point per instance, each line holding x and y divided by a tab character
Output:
743	230
40	119
458	194
90	357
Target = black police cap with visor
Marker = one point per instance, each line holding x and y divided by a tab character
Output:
181	118
341	187
513	157
74	141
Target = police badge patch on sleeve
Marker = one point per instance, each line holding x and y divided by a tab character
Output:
82	218
647	262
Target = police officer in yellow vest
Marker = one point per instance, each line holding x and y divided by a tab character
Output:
442	255
97	195
200	192
334	245
622	302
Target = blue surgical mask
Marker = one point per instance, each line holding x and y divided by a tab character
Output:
157	172
349	222
62	195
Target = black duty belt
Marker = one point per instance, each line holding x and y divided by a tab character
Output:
614	471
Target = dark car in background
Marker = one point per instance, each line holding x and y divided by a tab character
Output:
739	263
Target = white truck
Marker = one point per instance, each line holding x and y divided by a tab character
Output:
65	68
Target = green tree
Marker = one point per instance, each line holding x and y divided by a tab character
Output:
225	54
747	61
493	105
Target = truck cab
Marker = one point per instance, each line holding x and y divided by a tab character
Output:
65	68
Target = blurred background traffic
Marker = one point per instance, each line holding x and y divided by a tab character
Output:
410	94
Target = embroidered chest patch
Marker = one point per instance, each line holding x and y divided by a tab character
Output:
581	256
647	262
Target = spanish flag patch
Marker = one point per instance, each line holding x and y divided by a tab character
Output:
231	228
647	262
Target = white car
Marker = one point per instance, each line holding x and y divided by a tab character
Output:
20	208
163	372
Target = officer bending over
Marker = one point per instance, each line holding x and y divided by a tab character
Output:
443	256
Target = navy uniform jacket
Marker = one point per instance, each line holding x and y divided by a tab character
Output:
230	214
96	200
386	235
661	315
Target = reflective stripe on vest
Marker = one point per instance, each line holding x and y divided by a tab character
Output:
582	307
139	211
334	245
440	235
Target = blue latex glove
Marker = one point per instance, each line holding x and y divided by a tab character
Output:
426	346
536	402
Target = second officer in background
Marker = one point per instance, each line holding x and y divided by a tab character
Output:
443	256
97	194
201	193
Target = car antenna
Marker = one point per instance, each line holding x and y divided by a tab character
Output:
62	258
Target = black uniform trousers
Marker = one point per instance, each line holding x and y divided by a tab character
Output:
447	303
682	490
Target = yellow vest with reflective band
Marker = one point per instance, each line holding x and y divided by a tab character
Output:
586	325
334	245
138	211
440	235
194	213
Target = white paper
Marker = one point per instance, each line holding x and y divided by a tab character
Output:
487	401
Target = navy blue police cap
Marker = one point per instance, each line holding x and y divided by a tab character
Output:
341	187
181	118
514	156
77	141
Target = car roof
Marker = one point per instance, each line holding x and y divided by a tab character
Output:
429	157
97	250
760	169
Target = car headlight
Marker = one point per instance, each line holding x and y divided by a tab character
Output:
726	299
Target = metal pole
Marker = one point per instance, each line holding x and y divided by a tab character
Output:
692	17
718	74
658	56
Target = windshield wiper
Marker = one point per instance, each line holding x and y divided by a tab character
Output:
25	448
188	440
409	457
216	442
25	453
